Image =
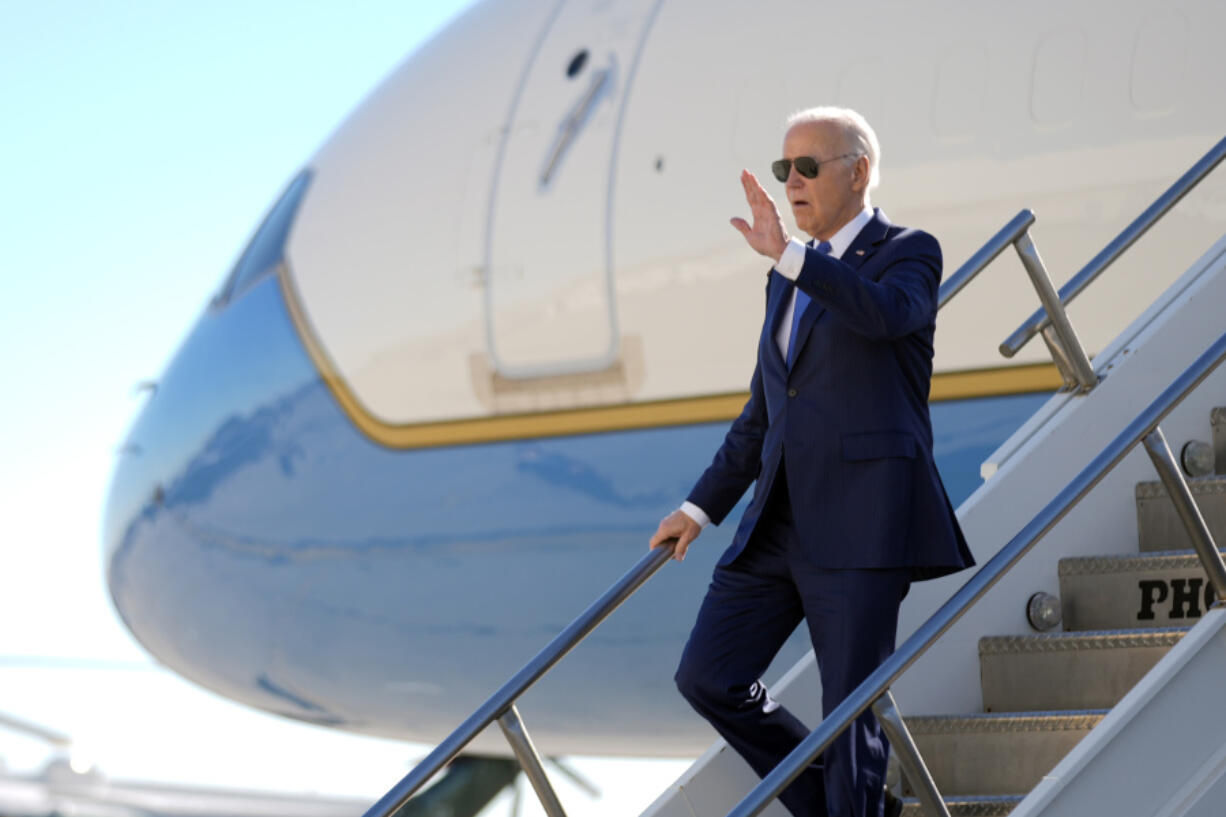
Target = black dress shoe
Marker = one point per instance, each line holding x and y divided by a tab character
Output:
893	806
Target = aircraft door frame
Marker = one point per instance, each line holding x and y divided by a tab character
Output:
550	304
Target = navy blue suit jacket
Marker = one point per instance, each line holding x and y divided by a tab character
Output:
849	421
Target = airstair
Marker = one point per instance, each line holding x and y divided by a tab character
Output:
1044	692
1080	670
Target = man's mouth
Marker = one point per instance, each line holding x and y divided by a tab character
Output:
800	203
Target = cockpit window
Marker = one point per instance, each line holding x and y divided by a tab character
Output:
266	249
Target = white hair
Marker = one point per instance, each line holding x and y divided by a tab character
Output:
857	132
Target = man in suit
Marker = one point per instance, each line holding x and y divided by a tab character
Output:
848	507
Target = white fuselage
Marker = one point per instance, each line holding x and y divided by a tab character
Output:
505	318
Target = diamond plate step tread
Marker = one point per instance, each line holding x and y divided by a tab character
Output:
1166	637
966	806
1063	671
1005	722
1159	526
1211	485
1159	589
997	754
1124	562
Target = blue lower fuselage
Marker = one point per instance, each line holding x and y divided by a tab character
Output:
259	544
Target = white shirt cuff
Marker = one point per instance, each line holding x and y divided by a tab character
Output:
696	513
792	261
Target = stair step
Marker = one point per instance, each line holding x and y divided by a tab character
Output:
1061	671
966	806
1167	589
1159	526
997	754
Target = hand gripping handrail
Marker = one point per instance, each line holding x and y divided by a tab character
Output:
1143	428
501	705
1039	321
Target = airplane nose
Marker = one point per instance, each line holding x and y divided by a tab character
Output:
214	412
230	358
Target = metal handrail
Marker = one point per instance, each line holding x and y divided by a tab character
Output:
25	727
501	705
995	245
1144	426
1062	341
1037	322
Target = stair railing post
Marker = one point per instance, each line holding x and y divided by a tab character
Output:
1181	495
1120	244
890	670
521	744
1063	364
985	255
497	705
909	757
1065	336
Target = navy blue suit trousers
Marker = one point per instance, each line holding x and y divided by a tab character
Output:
753	604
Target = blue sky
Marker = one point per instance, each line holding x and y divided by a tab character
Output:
141	143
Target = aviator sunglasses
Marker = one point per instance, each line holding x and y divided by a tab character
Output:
806	166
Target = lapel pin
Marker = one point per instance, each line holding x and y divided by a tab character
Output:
859	252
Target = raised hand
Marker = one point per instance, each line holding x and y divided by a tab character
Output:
767	235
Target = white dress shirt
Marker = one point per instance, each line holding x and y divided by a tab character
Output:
789	266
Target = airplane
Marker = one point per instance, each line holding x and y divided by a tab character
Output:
498	324
71	783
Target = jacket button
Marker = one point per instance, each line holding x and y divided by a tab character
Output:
792	392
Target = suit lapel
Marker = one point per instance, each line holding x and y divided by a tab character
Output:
862	248
778	294
868	241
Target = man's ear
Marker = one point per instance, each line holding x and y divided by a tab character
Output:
860	174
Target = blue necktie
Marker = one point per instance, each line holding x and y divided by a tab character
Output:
802	301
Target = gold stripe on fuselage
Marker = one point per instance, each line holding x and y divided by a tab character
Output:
659	413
